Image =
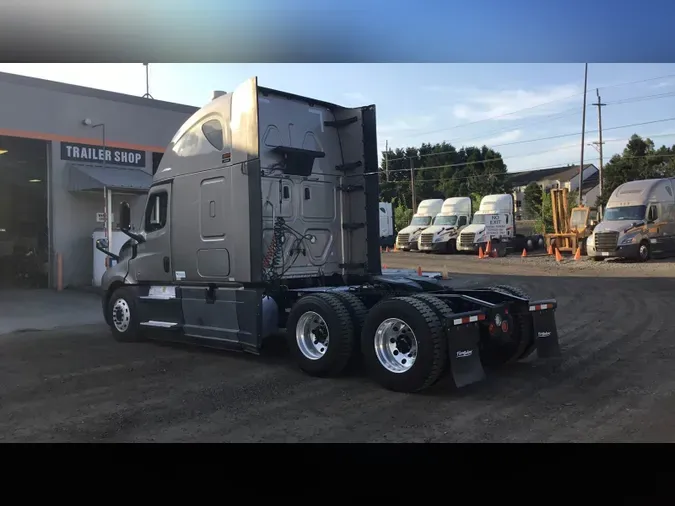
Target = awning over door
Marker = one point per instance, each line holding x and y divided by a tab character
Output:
82	177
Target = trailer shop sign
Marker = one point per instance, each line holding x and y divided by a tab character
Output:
98	155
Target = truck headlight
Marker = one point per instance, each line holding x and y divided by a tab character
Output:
591	240
628	239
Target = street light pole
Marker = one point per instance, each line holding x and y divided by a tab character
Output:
107	194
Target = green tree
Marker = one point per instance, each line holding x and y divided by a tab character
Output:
532	200
639	160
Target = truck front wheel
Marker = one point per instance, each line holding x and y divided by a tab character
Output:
644	252
320	334
122	316
403	344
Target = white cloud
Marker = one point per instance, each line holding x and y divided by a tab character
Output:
406	125
504	138
503	105
663	84
355	96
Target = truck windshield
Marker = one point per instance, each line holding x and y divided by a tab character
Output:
626	213
478	219
421	221
445	220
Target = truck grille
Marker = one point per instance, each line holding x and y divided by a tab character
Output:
606	241
403	238
466	240
426	239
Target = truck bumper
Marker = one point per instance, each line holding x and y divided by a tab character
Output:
463	332
437	246
627	251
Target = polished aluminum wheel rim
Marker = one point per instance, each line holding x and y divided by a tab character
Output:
312	336
395	345
121	315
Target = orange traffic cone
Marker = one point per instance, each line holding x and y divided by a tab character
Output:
387	250
494	253
480	252
419	270
384	266
524	253
558	256
577	255
488	248
549	251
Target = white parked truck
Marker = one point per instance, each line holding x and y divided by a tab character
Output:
495	222
386	225
638	222
441	236
262	219
406	239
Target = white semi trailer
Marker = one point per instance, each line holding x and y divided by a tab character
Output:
250	231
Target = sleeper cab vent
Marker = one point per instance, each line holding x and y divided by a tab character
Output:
297	161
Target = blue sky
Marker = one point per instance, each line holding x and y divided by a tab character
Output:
430	102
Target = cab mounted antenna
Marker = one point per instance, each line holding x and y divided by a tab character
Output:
147	81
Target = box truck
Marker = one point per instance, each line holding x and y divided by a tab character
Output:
638	222
262	219
442	234
406	240
494	221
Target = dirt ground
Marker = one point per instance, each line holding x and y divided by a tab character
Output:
614	382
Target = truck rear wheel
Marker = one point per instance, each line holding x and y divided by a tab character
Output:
123	318
320	334
357	311
403	344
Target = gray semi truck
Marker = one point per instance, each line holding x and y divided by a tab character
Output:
263	219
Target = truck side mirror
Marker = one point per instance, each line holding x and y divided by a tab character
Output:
125	216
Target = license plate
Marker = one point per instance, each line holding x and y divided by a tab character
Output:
605	253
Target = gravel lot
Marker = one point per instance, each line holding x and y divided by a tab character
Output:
615	381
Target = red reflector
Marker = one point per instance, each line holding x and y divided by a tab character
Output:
505	327
491	328
481	317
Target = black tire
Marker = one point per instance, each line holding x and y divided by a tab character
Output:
451	247
122	317
431	359
597	259
644	251
357	312
523	334
335	315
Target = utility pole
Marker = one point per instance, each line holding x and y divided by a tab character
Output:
386	161
412	184
599	104
583	134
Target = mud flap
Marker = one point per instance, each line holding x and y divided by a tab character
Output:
545	330
463	350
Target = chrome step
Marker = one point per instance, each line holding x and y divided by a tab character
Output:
159	324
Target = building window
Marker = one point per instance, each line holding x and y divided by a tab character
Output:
519	204
156	211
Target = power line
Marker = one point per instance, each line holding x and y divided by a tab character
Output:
552	137
572	111
539	105
488	160
463	178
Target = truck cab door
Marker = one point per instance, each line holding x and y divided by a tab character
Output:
153	259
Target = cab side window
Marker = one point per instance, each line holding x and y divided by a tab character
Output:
462	221
156	212
653	214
